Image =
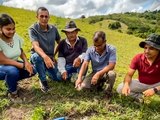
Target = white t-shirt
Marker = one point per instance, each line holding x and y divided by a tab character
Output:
12	52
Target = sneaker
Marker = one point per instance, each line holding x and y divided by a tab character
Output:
44	86
74	77
139	100
14	97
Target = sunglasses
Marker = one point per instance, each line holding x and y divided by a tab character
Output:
44	16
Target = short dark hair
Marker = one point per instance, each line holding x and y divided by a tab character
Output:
5	20
43	9
99	34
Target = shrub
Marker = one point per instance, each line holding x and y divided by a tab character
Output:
114	25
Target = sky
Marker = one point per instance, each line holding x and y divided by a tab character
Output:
77	8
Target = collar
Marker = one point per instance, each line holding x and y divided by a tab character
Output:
104	52
67	41
145	59
48	26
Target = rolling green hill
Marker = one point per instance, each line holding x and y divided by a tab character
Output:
64	100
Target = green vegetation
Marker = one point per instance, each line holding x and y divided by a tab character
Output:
63	99
139	24
114	25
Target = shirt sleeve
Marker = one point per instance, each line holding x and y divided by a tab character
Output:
134	63
113	57
57	36
60	49
87	55
61	64
32	34
20	40
85	46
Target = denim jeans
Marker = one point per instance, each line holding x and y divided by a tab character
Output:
12	75
70	70
41	68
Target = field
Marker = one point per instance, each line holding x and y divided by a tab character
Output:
63	100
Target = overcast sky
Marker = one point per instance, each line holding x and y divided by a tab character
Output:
77	8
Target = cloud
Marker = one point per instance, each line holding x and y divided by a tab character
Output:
155	5
56	2
77	8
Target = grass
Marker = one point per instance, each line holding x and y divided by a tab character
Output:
63	100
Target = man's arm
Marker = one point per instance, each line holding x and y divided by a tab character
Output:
102	72
127	81
81	73
151	91
49	63
57	47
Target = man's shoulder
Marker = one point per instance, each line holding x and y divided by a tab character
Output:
34	26
62	42
111	46
91	49
82	38
51	26
139	55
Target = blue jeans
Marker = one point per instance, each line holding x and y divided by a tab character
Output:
41	68
12	75
70	70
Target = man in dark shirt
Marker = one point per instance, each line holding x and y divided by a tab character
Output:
43	37
71	52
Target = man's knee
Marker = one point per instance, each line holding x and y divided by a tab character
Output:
119	88
112	75
36	58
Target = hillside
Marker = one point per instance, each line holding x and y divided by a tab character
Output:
139	24
64	100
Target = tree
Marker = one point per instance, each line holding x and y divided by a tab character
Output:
114	25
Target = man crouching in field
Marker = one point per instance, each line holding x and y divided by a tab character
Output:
103	61
148	66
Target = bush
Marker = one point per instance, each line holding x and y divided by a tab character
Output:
114	25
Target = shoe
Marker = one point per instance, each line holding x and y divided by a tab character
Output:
139	100
14	97
74	77
44	86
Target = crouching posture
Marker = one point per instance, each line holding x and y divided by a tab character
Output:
71	53
148	66
12	70
103	60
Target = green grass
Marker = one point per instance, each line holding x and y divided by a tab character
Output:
63	99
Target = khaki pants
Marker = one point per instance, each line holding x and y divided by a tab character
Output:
108	78
137	88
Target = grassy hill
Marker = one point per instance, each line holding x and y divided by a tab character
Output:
64	100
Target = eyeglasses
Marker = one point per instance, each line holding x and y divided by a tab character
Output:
44	16
98	46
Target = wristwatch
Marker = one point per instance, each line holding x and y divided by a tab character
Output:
155	90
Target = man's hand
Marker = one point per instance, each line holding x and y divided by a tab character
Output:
95	79
149	92
78	84
126	90
77	62
64	75
49	63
